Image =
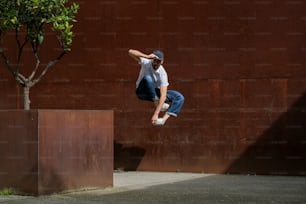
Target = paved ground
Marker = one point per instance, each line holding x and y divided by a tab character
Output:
150	187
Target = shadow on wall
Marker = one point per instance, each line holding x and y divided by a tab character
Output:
281	149
130	157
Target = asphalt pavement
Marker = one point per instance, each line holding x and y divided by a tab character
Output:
155	187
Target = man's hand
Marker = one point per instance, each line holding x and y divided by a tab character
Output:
154	118
152	56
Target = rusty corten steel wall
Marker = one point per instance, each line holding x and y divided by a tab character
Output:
240	65
75	149
47	151
18	150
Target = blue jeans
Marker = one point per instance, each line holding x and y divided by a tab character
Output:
146	91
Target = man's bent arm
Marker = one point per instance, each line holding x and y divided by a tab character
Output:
136	54
162	99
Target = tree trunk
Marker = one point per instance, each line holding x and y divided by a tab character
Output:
26	98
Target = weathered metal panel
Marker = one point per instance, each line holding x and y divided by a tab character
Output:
75	149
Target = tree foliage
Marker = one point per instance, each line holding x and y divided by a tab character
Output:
35	14
28	19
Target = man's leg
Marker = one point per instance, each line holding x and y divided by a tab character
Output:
146	89
177	101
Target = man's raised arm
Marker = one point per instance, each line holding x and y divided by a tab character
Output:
136	54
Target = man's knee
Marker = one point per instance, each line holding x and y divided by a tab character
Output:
148	79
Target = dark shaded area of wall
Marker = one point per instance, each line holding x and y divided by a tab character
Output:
239	64
281	147
19	152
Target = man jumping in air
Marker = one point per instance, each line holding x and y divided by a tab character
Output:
152	85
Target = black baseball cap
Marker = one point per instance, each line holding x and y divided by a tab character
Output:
159	54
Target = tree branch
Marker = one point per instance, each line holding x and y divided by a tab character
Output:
48	66
36	65
19	78
20	48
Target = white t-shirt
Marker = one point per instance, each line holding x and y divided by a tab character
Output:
160	75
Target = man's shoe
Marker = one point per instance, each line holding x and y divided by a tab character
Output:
159	121
165	107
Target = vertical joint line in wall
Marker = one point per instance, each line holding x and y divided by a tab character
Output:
269	111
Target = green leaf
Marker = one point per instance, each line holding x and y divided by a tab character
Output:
40	39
